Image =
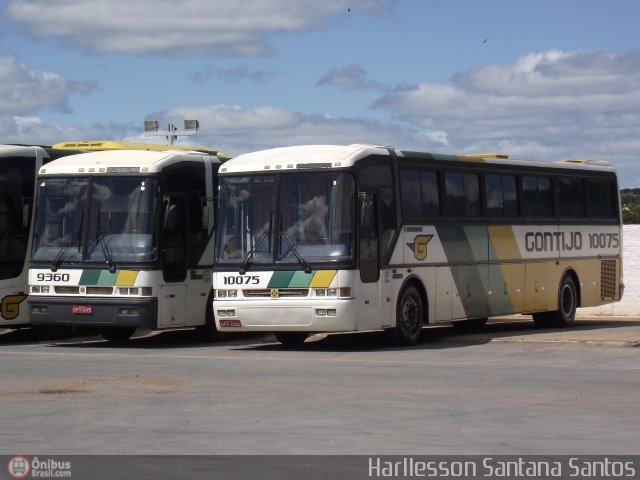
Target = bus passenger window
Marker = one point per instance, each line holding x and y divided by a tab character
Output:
502	199
538	200
571	199
602	199
462	194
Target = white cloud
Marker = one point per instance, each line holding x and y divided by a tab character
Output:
230	75
167	27
24	90
32	130
547	106
351	77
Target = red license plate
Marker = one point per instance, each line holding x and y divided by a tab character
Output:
230	323
82	309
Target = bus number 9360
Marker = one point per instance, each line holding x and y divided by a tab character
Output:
52	277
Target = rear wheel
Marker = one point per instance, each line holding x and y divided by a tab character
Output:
291	339
409	317
567	305
117	334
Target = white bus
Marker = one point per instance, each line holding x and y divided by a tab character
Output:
123	240
350	238
18	167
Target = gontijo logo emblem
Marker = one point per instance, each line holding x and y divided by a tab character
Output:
419	246
19	466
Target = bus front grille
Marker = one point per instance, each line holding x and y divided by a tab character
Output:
282	293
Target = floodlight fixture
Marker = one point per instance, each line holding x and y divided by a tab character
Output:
150	126
171	133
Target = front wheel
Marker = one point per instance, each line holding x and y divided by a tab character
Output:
52	332
208	332
291	339
117	334
409	317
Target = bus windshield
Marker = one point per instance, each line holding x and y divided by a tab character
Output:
96	219
289	218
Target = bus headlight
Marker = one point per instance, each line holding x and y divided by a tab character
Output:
226	294
344	292
135	291
40	289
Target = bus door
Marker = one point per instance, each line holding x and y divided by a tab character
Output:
373	308
173	290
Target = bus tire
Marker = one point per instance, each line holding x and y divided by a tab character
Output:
567	304
409	317
52	332
208	332
291	339
541	319
117	334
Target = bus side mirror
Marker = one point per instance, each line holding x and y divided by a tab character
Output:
26	210
205	214
169	214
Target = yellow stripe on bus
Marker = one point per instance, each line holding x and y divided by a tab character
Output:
322	278
126	278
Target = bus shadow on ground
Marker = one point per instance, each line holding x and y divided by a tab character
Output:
173	339
17	336
448	336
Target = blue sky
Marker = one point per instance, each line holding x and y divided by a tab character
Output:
555	79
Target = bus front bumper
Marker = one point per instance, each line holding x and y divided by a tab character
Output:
283	316
107	312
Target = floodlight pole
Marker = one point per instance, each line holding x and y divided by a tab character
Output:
171	133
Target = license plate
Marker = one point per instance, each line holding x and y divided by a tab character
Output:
82	310
230	323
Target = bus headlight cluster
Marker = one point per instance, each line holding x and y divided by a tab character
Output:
226	293
40	289
226	313
344	292
326	292
326	312
135	291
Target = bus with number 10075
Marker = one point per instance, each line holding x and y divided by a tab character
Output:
349	238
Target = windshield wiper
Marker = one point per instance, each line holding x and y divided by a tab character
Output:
100	234
246	262
105	251
76	236
296	253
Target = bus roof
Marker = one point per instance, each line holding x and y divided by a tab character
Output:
91	145
302	156
340	156
120	161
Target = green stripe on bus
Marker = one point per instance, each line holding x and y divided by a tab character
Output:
301	280
89	277
280	279
106	279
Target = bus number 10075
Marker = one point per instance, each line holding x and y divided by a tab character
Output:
241	280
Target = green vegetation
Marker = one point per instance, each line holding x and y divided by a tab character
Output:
630	198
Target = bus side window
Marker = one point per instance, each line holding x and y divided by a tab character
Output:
369	241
